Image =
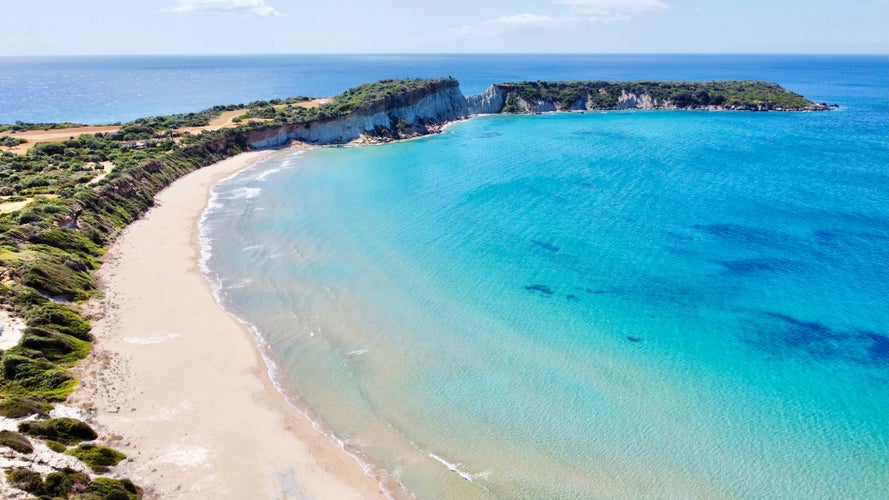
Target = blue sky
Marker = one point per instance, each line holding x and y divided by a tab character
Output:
64	27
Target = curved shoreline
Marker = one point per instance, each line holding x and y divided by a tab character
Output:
389	485
169	372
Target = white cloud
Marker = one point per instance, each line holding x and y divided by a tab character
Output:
609	11
496	27
571	13
524	21
256	8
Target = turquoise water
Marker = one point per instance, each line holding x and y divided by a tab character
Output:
667	304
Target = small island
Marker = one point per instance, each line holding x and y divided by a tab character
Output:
68	190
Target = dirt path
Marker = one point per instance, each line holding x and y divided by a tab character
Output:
225	120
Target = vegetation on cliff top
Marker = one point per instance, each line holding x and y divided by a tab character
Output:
382	94
23	126
682	95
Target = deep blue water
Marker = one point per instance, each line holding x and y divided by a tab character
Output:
622	304
109	89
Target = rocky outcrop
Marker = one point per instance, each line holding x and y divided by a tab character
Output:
410	116
423	108
539	96
489	103
629	100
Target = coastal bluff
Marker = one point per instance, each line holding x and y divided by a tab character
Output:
406	113
730	95
400	109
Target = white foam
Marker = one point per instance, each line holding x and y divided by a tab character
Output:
456	468
244	193
188	456
358	443
263	176
357	352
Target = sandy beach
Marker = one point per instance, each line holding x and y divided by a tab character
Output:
179	385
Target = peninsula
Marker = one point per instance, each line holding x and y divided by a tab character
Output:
68	191
536	97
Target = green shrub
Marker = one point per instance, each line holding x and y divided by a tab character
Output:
15	441
64	430
65	483
23	407
62	319
26	480
97	457
58	276
69	240
9	142
56	347
19	367
24	298
103	488
55	446
25	376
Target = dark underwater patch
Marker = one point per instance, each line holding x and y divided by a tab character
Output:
801	333
879	349
747	267
677	237
744	235
834	238
634	339
537	287
549	247
821	341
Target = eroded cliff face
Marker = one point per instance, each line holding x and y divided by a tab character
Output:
489	103
498	99
629	100
424	110
539	97
415	115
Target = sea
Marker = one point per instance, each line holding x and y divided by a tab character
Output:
623	304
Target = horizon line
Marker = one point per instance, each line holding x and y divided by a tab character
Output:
272	54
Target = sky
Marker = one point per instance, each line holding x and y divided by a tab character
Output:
115	27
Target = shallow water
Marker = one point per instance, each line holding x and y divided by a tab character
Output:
669	304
